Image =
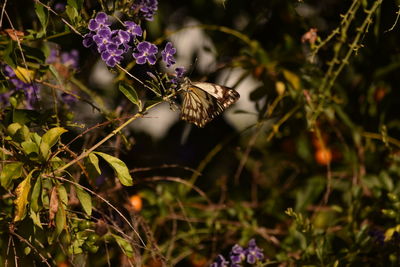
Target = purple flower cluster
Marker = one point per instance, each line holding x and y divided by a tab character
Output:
239	255
30	89
146	8
111	44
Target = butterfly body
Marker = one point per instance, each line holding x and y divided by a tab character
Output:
203	101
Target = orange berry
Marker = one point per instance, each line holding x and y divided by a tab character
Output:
323	156
136	202
197	260
62	264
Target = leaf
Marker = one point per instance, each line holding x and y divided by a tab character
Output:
92	165
10	171
72	13
131	94
56	162
42	15
85	200
61	219
53	207
35	218
75	3
30	148
24	75
36	138
124	245
22	193
62	194
13	128
35	195
51	136
23	116
18	132
292	78
44	150
47	187
119	167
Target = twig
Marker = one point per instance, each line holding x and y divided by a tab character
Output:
103	199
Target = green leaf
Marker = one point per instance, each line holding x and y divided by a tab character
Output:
18	132
131	94
24	116
61	219
62	194
36	138
35	218
10	171
13	128
119	167
75	3
92	165
47	186
42	15
85	200
22	193
124	245
30	148
51	136
35	195
72	13
44	150
56	162
76	246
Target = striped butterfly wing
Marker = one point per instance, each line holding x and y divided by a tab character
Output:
203	101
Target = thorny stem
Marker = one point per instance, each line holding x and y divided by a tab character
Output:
354	44
346	21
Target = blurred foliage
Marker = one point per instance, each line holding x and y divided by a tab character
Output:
315	179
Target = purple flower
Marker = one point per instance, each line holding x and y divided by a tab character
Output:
237	254
121	37
112	55
180	71
70	59
4	99
145	52
102	39
31	94
220	262
168	54
99	22
88	40
30	89
8	71
133	29
253	253
147	8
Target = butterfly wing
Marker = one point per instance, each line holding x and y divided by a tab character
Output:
203	101
225	95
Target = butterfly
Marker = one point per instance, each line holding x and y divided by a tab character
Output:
203	101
